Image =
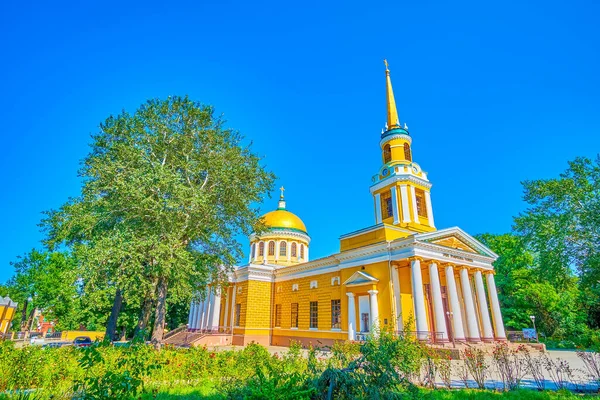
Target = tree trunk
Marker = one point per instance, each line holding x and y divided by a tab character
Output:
29	320
24	315
159	320
111	325
142	325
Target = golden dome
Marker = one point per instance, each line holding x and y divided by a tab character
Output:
284	219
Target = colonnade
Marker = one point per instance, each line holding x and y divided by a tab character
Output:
465	316
301	250
205	314
470	321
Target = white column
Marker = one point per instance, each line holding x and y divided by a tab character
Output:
250	255
206	310
306	253
277	242
418	298
216	313
351	317
288	250
377	208
395	209
488	333
198	316
374	312
397	300
405	208
438	305
429	208
225	319
232	317
472	325
413	199
496	313
193	308
458	331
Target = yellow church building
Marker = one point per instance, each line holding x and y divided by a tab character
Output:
401	273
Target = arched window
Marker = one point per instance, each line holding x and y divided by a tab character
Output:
302	251
282	248
294	250
387	154
271	248
407	154
261	249
253	251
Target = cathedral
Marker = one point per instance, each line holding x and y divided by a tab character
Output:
400	274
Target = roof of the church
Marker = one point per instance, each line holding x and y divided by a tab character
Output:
283	219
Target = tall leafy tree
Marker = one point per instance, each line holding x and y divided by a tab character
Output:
165	192
562	222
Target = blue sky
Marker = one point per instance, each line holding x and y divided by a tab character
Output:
493	94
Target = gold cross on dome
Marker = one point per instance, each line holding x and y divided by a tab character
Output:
282	190
385	62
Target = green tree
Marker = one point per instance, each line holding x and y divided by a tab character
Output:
165	193
562	223
524	289
46	281
562	227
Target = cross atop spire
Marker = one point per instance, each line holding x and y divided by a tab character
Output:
392	113
281	204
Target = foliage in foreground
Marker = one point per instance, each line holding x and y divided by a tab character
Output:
387	367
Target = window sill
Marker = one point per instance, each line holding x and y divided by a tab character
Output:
296	328
313	329
336	329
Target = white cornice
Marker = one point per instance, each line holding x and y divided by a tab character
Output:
273	233
399	178
386	139
457	232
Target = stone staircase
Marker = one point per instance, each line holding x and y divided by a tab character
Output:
184	338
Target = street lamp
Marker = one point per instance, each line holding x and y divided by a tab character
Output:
532	317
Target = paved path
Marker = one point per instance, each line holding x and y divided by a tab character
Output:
579	375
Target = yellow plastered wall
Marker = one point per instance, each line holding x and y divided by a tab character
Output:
383	234
406	299
258	308
71	335
7	314
323	294
241	297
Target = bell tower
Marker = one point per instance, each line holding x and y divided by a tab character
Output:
401	190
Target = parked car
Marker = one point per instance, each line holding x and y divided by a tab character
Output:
82	341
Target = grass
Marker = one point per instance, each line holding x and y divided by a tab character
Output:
207	393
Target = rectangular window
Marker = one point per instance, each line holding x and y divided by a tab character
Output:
278	315
294	322
238	313
421	206
386	205
336	314
314	314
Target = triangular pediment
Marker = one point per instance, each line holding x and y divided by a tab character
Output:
360	278
456	238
